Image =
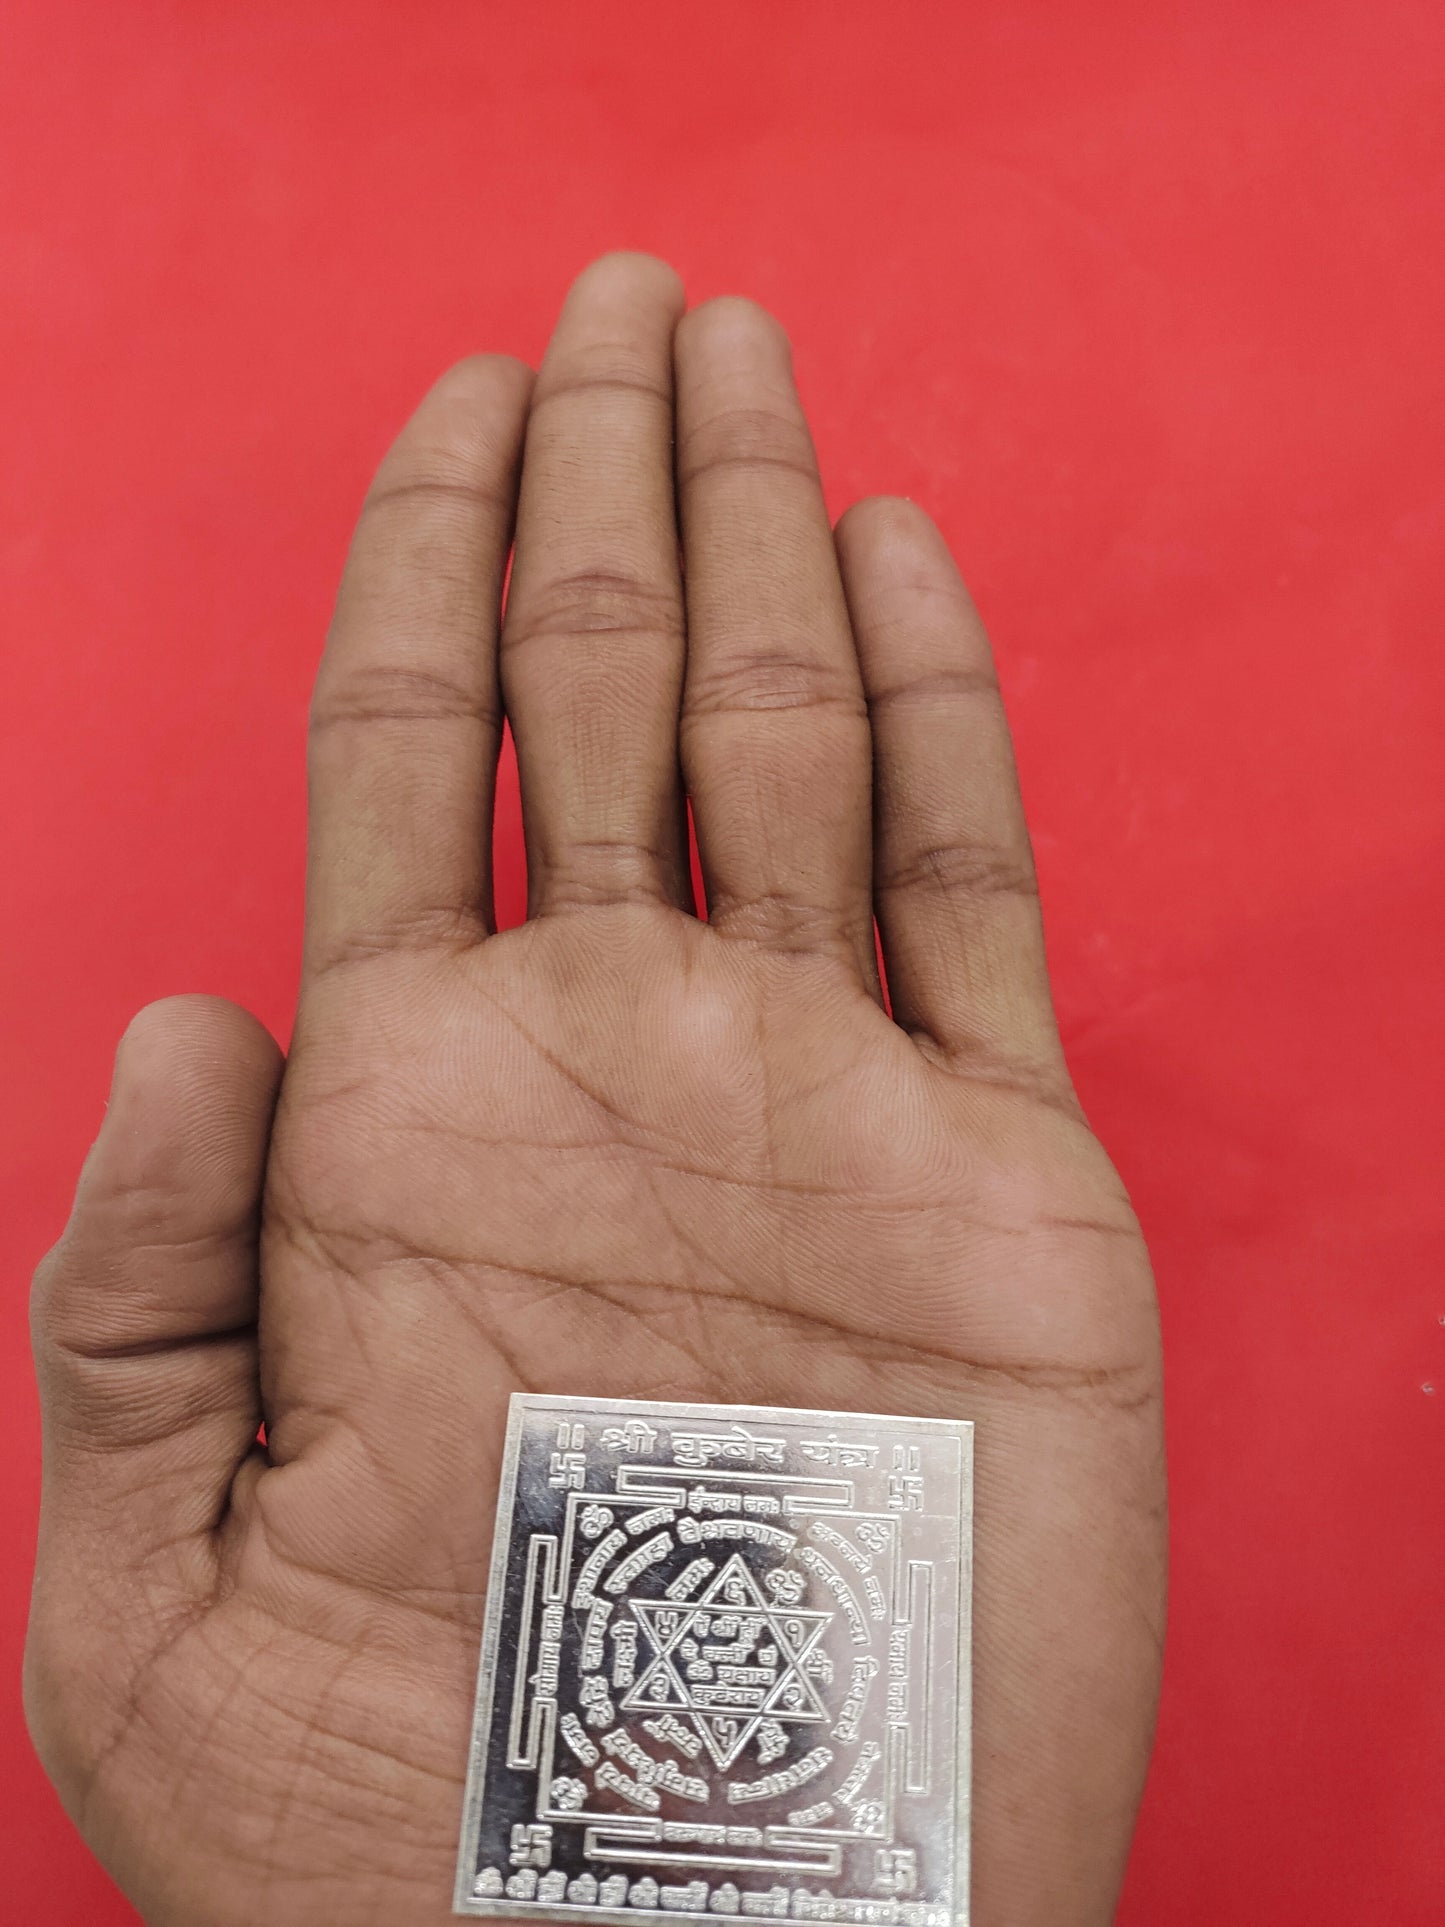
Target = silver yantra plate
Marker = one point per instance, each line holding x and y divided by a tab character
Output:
725	1668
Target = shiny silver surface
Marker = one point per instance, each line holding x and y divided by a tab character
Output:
725	1668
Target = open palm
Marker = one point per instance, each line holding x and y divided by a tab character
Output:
618	1150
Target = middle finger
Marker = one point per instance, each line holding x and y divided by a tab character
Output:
774	727
593	640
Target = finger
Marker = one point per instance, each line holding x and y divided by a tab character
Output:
954	883
405	721
592	646
774	730
144	1315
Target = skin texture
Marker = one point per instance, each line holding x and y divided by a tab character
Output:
618	1149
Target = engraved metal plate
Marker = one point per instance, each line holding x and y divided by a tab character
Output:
725	1668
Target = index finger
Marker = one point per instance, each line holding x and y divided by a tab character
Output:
406	718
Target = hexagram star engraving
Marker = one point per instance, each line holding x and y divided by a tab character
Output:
728	1689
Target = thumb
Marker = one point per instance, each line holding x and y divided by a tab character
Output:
144	1320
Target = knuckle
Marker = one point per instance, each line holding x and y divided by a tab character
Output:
962	868
781	921
597	875
438	491
747	436
606	372
930	687
424	930
398	693
91	1306
455	458
593	601
759	679
44	1288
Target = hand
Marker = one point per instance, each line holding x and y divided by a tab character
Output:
618	1150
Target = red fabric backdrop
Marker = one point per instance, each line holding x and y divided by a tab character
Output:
1147	304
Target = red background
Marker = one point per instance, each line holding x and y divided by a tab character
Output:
1147	304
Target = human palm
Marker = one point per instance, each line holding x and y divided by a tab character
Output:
618	1150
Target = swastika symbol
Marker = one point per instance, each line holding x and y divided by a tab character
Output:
567	1470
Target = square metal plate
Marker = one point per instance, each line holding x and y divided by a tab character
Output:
725	1668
